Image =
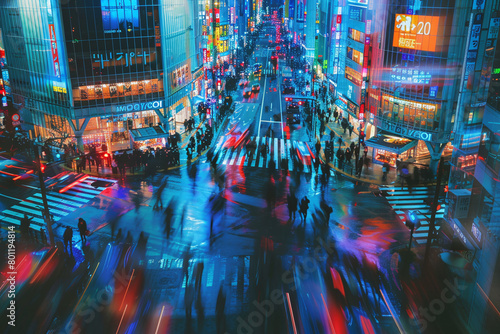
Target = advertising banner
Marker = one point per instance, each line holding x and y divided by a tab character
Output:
55	53
416	32
353	76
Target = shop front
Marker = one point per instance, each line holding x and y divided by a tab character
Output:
178	113
114	130
387	148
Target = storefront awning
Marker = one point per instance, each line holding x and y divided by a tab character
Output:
392	144
151	132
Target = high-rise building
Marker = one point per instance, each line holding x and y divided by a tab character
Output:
420	61
104	71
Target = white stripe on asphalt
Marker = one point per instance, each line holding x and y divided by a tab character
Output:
76	193
36	206
31	211
17	214
52	204
276	152
60	200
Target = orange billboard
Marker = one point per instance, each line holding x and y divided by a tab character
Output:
416	32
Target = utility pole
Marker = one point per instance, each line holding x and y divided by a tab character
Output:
432	226
43	190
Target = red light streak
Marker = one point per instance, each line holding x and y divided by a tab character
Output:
73	184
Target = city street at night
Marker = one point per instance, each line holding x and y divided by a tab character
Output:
249	167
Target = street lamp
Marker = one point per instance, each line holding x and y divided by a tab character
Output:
412	222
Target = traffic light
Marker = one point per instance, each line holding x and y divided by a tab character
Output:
42	168
301	103
362	136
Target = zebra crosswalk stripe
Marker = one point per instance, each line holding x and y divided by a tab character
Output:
60	205
402	200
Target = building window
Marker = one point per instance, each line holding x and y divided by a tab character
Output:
355	55
356	35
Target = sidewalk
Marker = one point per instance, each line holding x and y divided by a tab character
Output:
106	171
372	174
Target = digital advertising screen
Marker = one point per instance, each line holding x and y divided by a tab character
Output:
416	32
119	15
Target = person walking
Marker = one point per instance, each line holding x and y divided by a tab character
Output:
220	306
351	128
292	205
304	206
25	228
82	228
198	275
159	192
385	170
68	239
188	300
317	147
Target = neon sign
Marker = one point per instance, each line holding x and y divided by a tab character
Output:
140	106
122	57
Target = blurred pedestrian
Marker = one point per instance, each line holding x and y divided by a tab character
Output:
304	206
188	300
68	239
128	239
198	273
185	264
220	306
25	228
159	192
119	235
292	205
82	228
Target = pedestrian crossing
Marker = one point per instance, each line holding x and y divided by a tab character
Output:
60	204
283	152
402	200
234	270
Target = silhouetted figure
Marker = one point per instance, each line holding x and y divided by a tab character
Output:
82	228
188	300
128	239
68	239
304	206
220	307
292	205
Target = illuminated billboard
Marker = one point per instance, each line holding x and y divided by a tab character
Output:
416	32
119	15
353	76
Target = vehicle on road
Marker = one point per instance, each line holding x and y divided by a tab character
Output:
292	114
247	93
257	69
288	90
255	88
13	170
243	83
304	153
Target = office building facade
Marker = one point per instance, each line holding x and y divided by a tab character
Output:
104	71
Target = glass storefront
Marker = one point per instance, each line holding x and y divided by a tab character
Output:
179	112
114	130
417	114
104	91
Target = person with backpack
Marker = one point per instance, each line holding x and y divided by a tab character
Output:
82	228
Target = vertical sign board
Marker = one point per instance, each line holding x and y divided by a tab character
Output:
474	36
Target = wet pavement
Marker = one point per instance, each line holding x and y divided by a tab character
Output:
222	253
